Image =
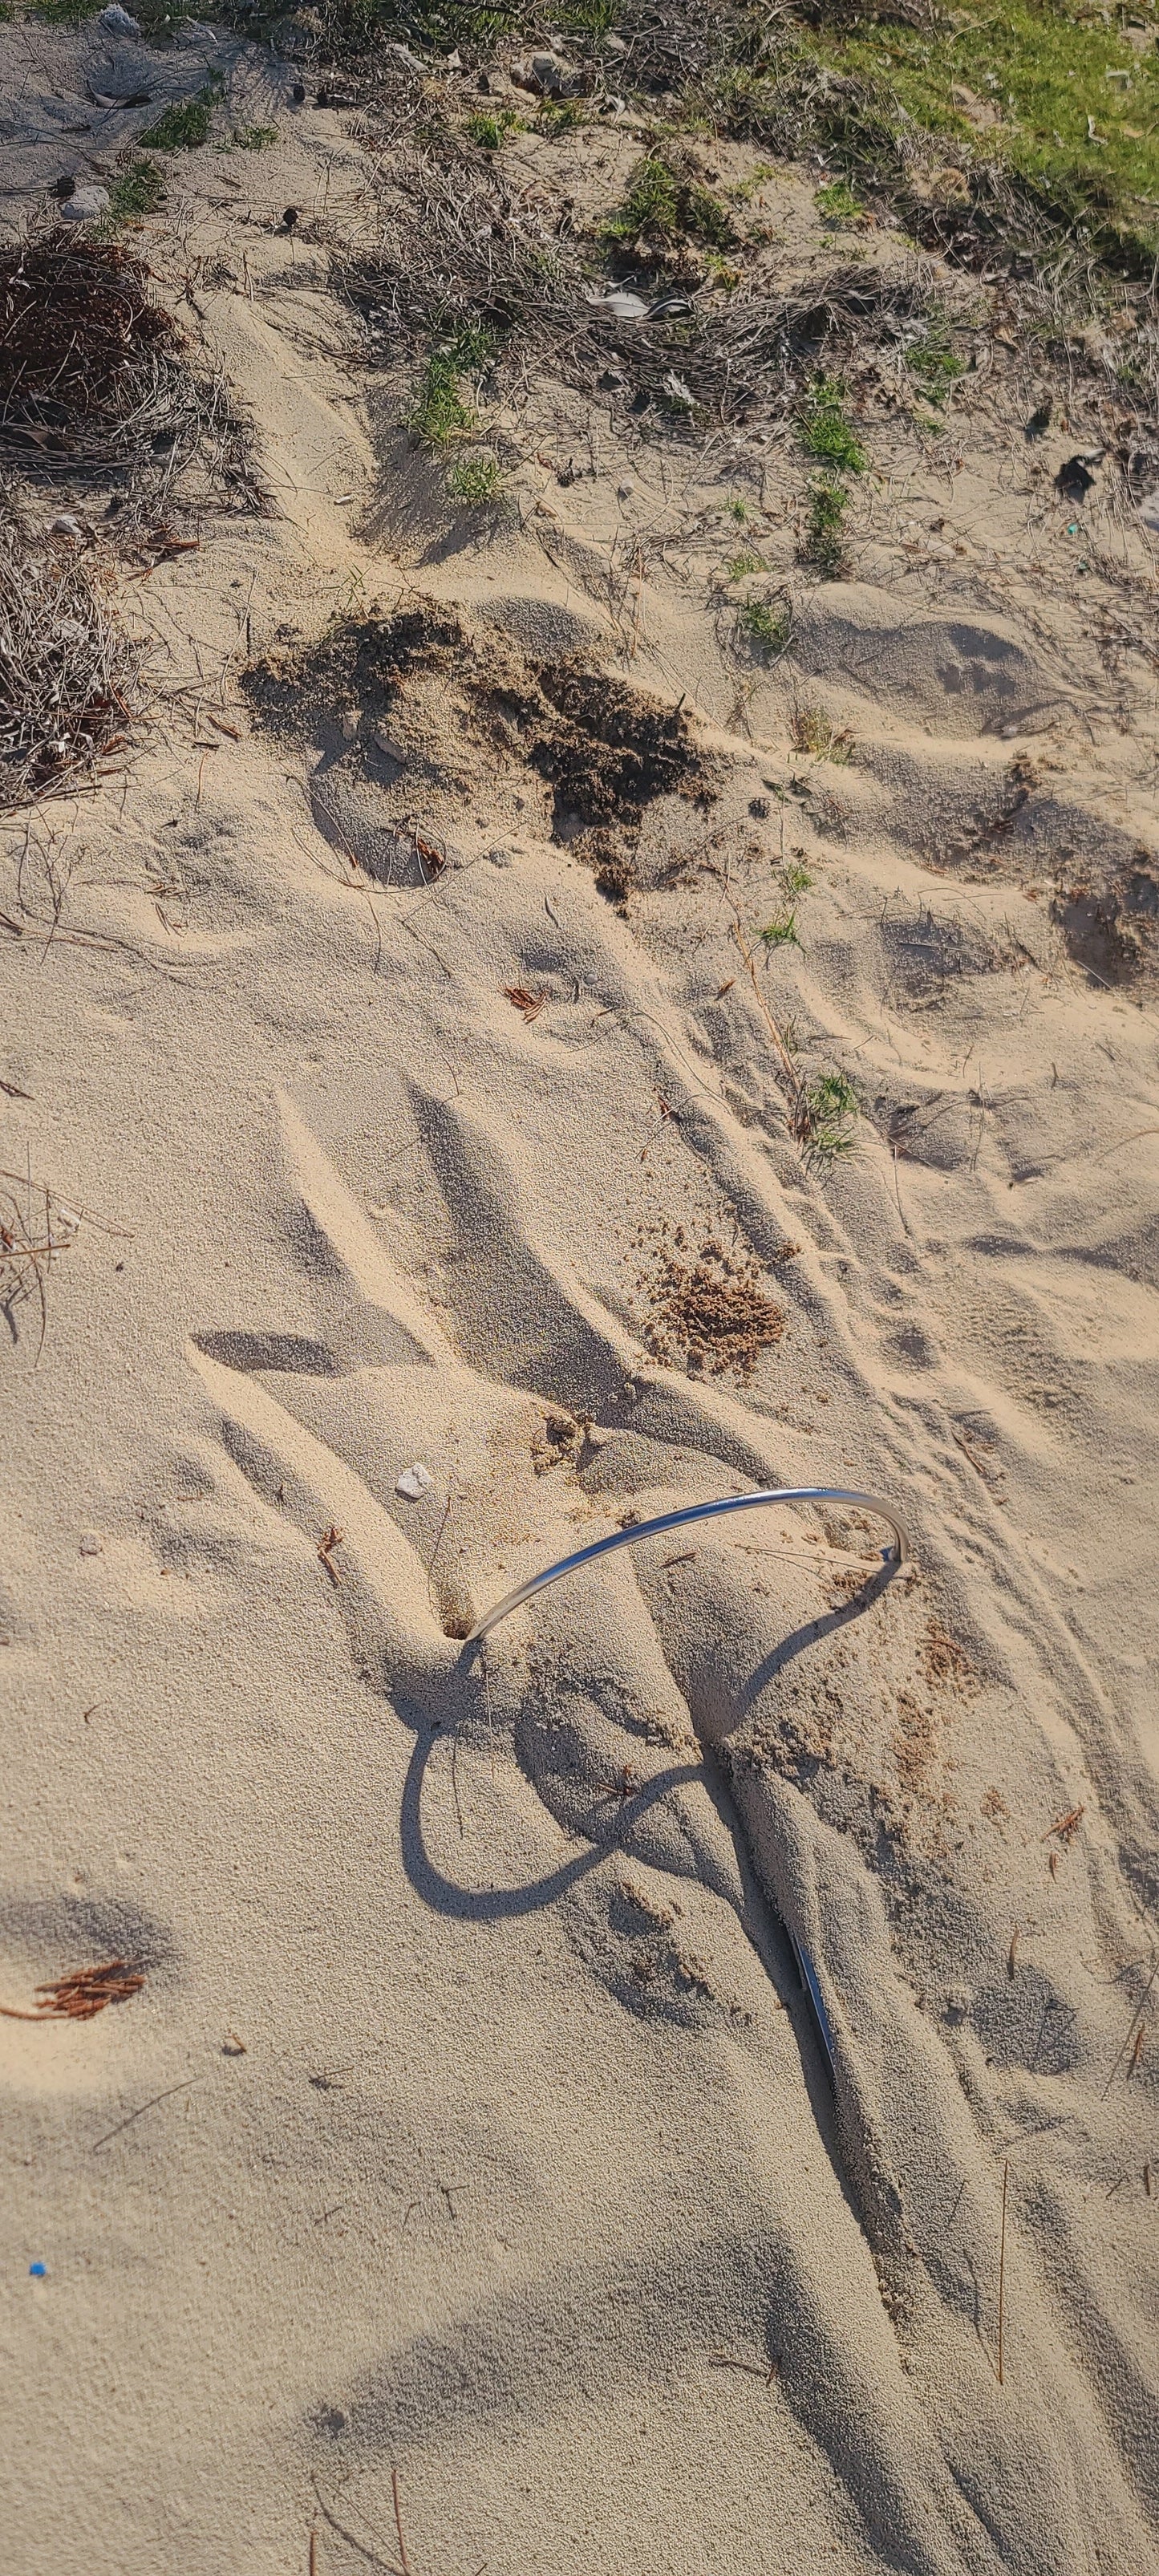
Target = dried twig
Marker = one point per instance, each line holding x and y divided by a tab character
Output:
405	2562
1067	1826
1002	2270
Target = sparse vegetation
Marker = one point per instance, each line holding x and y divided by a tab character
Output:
442	411
252	138
781	931
183	125
934	362
490	129
814	732
137	190
765	628
825	432
475	479
825	1114
795	878
824	542
665	204
742	565
836	203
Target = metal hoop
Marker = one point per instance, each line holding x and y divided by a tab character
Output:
680	1520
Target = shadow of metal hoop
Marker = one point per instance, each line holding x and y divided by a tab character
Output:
637	1530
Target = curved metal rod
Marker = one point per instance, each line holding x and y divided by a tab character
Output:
679	1520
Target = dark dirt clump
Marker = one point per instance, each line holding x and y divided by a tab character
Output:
709	1310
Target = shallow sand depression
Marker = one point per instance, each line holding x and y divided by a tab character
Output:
405	1063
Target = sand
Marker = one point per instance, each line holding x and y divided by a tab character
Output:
470	2146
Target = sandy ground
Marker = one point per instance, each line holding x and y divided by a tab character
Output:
471	2129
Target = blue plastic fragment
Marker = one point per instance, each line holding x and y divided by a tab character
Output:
38	2271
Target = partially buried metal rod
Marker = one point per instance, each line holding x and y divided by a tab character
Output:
638	1530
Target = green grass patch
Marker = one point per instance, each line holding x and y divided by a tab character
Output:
491	128
251	138
741	566
1051	91
137	190
766	629
794	878
665	203
62	13
781	931
182	126
475	479
825	432
837	204
442	409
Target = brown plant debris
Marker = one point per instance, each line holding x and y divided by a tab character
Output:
1066	1826
530	1004
82	345
84	1993
710	1311
95	376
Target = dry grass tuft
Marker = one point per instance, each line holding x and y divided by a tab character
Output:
95	379
68	675
34	1227
468	254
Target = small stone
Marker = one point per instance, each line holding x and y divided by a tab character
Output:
232	2046
118	22
85	206
414	1482
90	1544
387	744
349	720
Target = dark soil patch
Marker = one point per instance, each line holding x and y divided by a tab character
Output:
606	750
